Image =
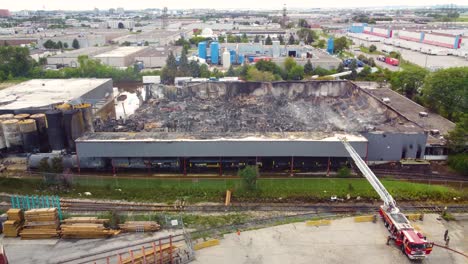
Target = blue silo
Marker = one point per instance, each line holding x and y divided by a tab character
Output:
330	45
240	59
202	50
214	48
233	56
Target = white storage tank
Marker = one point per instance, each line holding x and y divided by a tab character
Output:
12	134
226	59
2	137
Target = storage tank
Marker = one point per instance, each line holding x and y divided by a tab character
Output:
202	50
87	112
240	59
29	135
233	56
73	126
21	116
41	124
214	50
6	116
226	59
2	137
12	134
55	129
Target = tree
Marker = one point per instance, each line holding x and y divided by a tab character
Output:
184	68
146	43
257	39
289	63
65	45
249	176
244	38
291	40
321	44
231	72
340	44
409	81
264	65
243	72
49	44
308	68
457	139
296	73
268	41
303	23
204	71
59	45
75	44
255	75
221	39
366	71
310	38
281	39
446	92
194	69
169	72
353	67
372	48
15	62
340	67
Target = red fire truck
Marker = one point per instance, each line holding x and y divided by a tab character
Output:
412	243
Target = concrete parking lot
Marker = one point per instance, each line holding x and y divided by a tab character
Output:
344	241
423	60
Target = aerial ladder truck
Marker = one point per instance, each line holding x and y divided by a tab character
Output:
412	243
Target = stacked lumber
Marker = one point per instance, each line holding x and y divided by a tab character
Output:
152	255
140	226
15	214
40	223
11	228
13	225
85	220
87	230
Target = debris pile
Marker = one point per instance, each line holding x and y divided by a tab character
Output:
219	109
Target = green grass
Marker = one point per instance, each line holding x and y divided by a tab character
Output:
462	19
366	50
161	190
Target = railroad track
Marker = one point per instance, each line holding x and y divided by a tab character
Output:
91	206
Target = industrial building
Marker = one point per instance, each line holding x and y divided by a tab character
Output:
85	41
240	52
217	127
120	24
155	57
425	41
43	94
70	58
282	126
155	37
121	57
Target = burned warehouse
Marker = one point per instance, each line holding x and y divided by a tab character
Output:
216	127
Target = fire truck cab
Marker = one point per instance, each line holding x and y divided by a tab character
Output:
414	245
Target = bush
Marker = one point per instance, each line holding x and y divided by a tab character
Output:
372	48
249	176
459	163
344	172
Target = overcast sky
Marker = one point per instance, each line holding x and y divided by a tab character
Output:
16	5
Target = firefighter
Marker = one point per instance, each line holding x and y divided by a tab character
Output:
389	238
447	241
445	235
